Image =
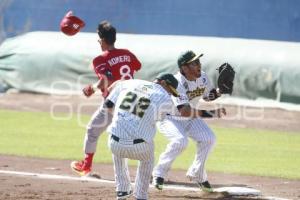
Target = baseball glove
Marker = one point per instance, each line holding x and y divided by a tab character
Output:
225	79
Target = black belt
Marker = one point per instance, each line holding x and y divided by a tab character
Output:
136	141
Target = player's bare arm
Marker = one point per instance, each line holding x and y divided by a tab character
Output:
101	84
187	111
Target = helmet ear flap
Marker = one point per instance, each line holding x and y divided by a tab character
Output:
70	24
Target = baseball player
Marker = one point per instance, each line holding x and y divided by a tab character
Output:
192	83
112	65
138	104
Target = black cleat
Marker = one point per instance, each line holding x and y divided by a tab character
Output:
123	195
158	182
205	186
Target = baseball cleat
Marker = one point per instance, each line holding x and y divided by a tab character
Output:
158	182
205	186
190	178
79	168
123	195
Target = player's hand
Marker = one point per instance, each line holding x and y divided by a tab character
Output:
220	112
88	90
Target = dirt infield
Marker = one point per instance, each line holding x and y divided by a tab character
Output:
31	187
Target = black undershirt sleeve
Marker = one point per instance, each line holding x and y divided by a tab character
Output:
109	104
207	114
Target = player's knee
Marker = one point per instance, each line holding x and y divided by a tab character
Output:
92	134
211	139
181	143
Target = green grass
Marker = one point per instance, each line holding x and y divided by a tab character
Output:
241	151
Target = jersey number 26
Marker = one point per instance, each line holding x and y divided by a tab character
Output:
135	105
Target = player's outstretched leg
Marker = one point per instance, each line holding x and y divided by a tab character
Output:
174	131
97	125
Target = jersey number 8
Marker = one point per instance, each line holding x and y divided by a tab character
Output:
125	72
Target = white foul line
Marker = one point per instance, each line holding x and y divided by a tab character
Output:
63	177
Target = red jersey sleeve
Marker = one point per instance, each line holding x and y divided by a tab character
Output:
135	62
100	67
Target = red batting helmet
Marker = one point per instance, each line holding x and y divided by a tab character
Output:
70	24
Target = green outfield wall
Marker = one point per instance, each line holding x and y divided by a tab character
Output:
50	62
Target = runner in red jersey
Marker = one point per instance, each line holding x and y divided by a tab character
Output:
112	65
115	64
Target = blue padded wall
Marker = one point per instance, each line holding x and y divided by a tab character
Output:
253	19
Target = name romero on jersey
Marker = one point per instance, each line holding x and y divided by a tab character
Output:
119	59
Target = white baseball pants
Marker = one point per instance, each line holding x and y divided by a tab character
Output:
178	131
144	152
97	125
